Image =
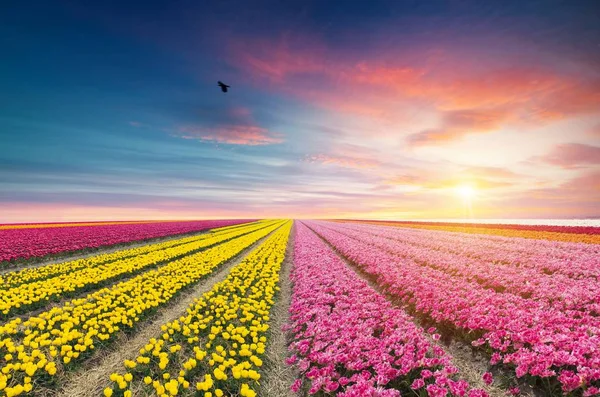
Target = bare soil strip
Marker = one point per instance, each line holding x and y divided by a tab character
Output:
94	375
470	364
7	267
279	376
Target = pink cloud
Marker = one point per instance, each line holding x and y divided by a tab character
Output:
277	60
443	81
571	155
236	127
460	88
404	179
342	161
594	131
456	124
575	98
577	197
586	183
233	135
491	172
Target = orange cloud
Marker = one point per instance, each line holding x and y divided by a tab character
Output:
444	82
461	89
456	124
233	135
573	99
572	155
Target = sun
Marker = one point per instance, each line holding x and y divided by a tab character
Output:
467	192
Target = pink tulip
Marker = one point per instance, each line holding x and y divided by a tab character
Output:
348	338
37	242
534	303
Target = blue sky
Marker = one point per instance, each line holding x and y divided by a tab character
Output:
337	109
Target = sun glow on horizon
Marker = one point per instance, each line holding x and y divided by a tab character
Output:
467	192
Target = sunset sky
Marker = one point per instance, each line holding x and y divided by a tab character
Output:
370	109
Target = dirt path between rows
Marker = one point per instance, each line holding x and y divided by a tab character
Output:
279	376
94	375
470	364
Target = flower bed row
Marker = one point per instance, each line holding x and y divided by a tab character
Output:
37	242
541	343
556	290
348	340
30	274
216	349
573	229
33	351
575	260
581	234
24	297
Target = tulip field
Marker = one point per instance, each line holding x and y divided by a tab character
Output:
30	241
365	308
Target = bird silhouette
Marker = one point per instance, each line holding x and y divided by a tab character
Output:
223	86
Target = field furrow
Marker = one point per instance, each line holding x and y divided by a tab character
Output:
216	349
94	375
278	376
33	351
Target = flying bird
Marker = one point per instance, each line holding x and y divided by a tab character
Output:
223	86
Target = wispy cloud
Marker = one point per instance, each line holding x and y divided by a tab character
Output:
571	155
233	126
232	135
438	77
594	131
450	176
457	124
342	161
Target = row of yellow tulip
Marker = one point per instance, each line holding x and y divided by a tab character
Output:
216	349
28	296
27	275
33	351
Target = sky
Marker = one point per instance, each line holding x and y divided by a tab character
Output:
337	109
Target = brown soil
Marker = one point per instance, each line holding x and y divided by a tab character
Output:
279	376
